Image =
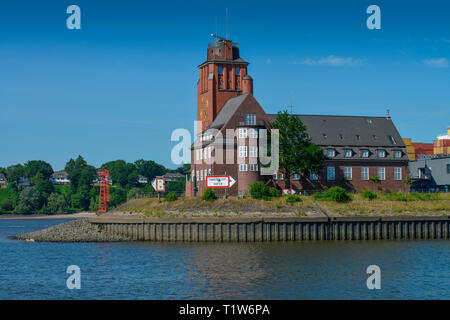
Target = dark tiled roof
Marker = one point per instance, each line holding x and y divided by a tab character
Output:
327	130
227	111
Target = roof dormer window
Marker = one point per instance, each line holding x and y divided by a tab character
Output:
331	153
348	153
381	153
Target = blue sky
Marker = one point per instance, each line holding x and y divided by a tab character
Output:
118	87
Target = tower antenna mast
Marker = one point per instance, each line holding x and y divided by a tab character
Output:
226	18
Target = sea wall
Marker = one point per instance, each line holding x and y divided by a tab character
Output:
275	229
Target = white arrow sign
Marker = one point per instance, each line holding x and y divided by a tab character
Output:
159	184
219	181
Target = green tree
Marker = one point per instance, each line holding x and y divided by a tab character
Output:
149	168
33	167
14	173
30	201
297	153
6	205
56	203
43	185
122	173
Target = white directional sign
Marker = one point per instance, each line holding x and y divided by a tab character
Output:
159	184
219	181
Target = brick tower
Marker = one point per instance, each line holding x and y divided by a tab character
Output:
222	76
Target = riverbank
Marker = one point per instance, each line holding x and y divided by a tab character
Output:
78	215
79	230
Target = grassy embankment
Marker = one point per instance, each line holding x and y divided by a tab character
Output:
384	204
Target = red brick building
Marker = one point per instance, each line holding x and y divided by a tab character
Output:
357	147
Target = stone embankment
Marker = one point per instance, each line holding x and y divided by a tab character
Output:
80	230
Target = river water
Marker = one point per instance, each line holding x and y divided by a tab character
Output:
310	270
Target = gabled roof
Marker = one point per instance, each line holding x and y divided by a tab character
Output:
59	174
326	130
2	177
227	111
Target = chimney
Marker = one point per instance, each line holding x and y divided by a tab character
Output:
247	84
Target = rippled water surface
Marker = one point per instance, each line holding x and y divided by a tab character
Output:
313	270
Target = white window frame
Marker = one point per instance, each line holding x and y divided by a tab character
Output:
201	175
398	173
329	171
381	173
242	151
363	173
253	167
253	133
397	153
242	133
348	170
333	152
295	176
381	153
243	167
250	116
253	151
364	151
348	153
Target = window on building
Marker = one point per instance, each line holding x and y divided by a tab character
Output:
313	176
243	167
324	136
364	173
193	176
253	151
382	173
209	171
397	153
364	153
341	137
220	70
250	119
242	151
358	137
397	173
448	168
331	153
206	173
391	138
348	153
295	176
237	70
253	167
331	173
253	133
374	137
205	155
274	177
281	176
201	175
242	133
348	173
381	153
198	175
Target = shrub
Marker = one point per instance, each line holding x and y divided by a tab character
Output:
132	193
56	203
209	195
171	196
266	198
274	192
369	195
337	194
293	198
258	190
7	205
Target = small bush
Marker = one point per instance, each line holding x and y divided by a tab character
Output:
171	196
258	190
266	198
369	195
273	192
336	194
209	195
293	198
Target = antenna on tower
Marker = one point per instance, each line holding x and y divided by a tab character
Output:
291	106
226	18
388	113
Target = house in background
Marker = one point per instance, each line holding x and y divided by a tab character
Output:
3	181
59	177
439	147
430	173
142	179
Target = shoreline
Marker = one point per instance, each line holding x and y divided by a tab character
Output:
63	216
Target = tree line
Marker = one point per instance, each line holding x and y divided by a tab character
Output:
42	196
